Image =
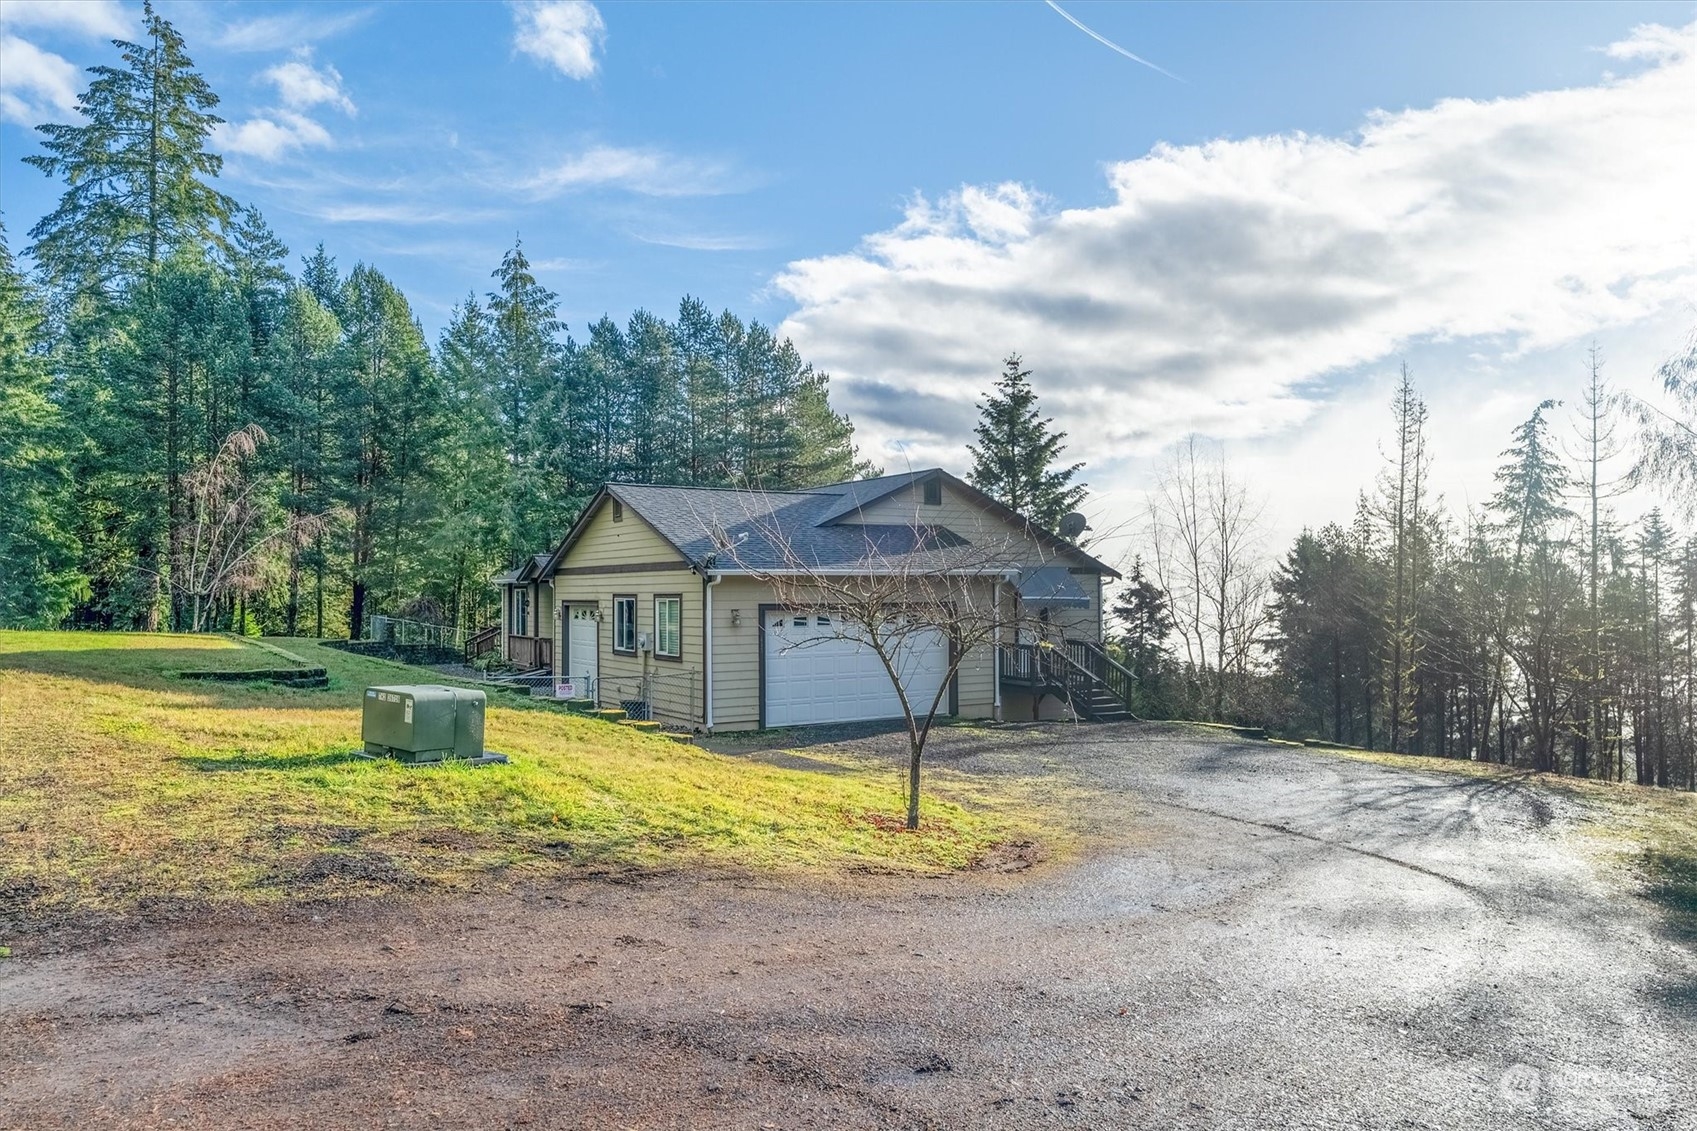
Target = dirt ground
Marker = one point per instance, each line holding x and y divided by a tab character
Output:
1256	937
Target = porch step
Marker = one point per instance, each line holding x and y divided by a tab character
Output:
681	738
608	714
647	726
1103	707
580	706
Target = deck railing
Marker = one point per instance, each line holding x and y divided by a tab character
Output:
481	641
1072	670
530	652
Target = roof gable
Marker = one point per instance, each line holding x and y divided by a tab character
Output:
739	529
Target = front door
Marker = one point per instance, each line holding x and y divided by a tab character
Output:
583	647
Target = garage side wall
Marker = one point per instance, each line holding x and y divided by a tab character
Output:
736	658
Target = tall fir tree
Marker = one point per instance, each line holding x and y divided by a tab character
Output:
1017	457
137	171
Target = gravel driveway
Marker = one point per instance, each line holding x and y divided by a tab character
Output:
1258	937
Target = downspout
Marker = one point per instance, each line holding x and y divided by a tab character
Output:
996	644
996	653
708	581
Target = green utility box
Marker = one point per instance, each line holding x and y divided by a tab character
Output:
423	723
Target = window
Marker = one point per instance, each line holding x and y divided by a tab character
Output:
669	627
618	511
933	492
521	612
624	624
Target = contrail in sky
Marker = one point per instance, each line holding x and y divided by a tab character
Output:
1106	42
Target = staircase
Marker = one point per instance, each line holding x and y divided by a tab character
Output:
1079	672
483	640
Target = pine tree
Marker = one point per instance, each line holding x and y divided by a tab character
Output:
1015	460
137	172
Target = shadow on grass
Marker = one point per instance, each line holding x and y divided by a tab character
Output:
210	765
159	668
155	667
1671	883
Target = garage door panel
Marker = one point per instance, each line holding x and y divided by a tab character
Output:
814	674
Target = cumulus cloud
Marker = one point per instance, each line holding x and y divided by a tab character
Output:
302	86
271	135
650	172
1225	282
564	34
275	133
35	85
104	18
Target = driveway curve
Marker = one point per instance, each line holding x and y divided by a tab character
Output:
1258	937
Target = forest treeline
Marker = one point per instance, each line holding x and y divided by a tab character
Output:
1538	629
194	435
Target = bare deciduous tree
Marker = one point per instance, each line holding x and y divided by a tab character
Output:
233	524
1204	546
902	590
1668	437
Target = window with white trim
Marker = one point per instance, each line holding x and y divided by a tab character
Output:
669	627
521	612
624	624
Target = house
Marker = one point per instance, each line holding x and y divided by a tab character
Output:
664	600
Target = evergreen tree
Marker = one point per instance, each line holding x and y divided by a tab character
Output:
137	172
38	551
321	279
473	543
311	373
393	421
1141	609
1015	460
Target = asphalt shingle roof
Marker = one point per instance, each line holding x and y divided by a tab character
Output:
749	530
775	530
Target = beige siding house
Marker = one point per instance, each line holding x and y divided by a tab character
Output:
667	601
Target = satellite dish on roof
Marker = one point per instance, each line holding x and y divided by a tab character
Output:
1072	525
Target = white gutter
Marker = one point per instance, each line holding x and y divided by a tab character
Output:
710	580
864	572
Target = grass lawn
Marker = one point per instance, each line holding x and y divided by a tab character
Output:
122	785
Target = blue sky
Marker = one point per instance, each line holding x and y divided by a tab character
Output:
901	187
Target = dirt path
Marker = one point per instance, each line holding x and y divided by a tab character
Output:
1264	938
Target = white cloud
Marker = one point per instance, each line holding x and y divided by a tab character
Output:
565	34
35	85
271	135
287	30
302	86
275	133
694	241
104	18
650	172
1225	279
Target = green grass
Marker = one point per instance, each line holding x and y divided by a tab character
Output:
121	784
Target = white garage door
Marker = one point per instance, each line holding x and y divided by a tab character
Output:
815	675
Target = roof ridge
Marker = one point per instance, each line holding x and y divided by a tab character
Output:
727	490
